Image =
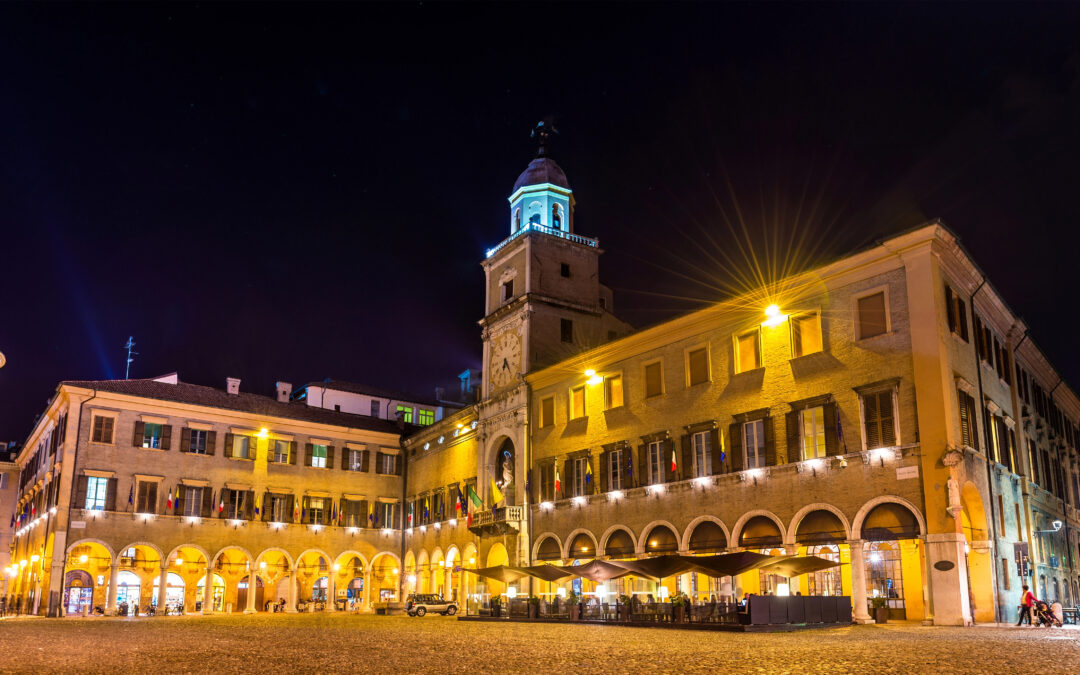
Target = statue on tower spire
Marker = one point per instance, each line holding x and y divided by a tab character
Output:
544	130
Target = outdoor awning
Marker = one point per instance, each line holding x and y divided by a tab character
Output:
729	564
658	567
549	572
600	571
793	567
503	573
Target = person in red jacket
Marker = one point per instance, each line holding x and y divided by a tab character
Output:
1027	602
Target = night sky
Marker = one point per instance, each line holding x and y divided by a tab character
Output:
298	192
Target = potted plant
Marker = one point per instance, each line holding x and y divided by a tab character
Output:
575	608
624	607
881	609
534	607
678	606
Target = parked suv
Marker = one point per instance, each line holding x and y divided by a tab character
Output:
419	604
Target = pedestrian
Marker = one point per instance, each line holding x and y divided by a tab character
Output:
1027	602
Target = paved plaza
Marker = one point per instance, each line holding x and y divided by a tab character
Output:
365	643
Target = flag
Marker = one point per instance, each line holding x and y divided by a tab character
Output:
460	498
296	512
674	464
221	502
131	495
256	506
426	507
411	505
371	513
475	498
496	495
723	447
629	464
558	483
168	504
588	471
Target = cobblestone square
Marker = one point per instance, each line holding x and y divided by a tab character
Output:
366	643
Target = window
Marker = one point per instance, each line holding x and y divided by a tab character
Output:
387	465
556	217
581	477
242	447
805	334
697	366
355	511
374	408
615	464
566	330
613	391
276	507
969	436
235	504
577	402
508	290
316	510
146	497
547	482
281	451
956	314
812	432
701	445
547	411
872	317
564	270
425	417
748	351
318	456
197	442
654	379
656	462
405	413
517	219
103	429
879	422
754	444
355	459
151	435
386	514
97	489
193	497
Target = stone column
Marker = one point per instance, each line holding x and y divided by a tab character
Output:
858	582
208	591
367	590
331	590
253	586
447	590
110	599
163	585
290	606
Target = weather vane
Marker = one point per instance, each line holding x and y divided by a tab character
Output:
543	131
129	346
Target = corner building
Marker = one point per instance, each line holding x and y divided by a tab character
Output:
888	411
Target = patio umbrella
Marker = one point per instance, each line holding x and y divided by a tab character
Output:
599	571
658	567
729	564
503	573
548	572
793	567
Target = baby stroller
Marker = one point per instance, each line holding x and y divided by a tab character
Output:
1044	616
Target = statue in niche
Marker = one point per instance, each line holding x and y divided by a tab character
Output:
507	468
954	494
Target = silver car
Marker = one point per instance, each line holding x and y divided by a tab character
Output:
419	604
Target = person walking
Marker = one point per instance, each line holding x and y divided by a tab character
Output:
1027	601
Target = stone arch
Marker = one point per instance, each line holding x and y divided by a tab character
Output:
389	554
194	547
351	552
793	528
973	514
233	547
452	554
860	517
539	543
82	542
410	560
152	547
569	541
300	558
737	531
646	531
275	549
684	543
602	550
422	558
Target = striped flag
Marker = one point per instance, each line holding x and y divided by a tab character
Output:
169	503
723	447
221	502
558	483
674	464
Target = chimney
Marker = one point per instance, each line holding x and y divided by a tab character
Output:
440	393
284	391
232	385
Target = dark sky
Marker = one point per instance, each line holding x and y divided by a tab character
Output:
304	191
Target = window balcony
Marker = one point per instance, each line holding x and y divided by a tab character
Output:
497	522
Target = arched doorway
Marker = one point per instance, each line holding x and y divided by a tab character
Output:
217	593
823	535
893	559
79	592
174	593
128	589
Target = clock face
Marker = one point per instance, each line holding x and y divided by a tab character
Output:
505	362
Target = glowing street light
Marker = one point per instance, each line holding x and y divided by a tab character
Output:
773	316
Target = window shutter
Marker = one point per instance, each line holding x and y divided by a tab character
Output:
345	452
988	434
399	464
972	426
605	470
735	446
950	308
364	522
166	436
211	442
770	441
871	421
80	492
888	423
309	452
330	457
110	495
791	420
642	465
264	510
961	316
228	444
829	413
292	453
366	455
151	498
249	505
378	462
567	479
185	439
718	462
206	498
686	462
137	437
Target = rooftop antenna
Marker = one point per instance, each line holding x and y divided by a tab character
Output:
129	346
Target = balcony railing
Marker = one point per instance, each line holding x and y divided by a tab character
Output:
543	229
497	521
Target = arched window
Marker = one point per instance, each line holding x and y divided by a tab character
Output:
556	216
884	575
825	582
517	219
